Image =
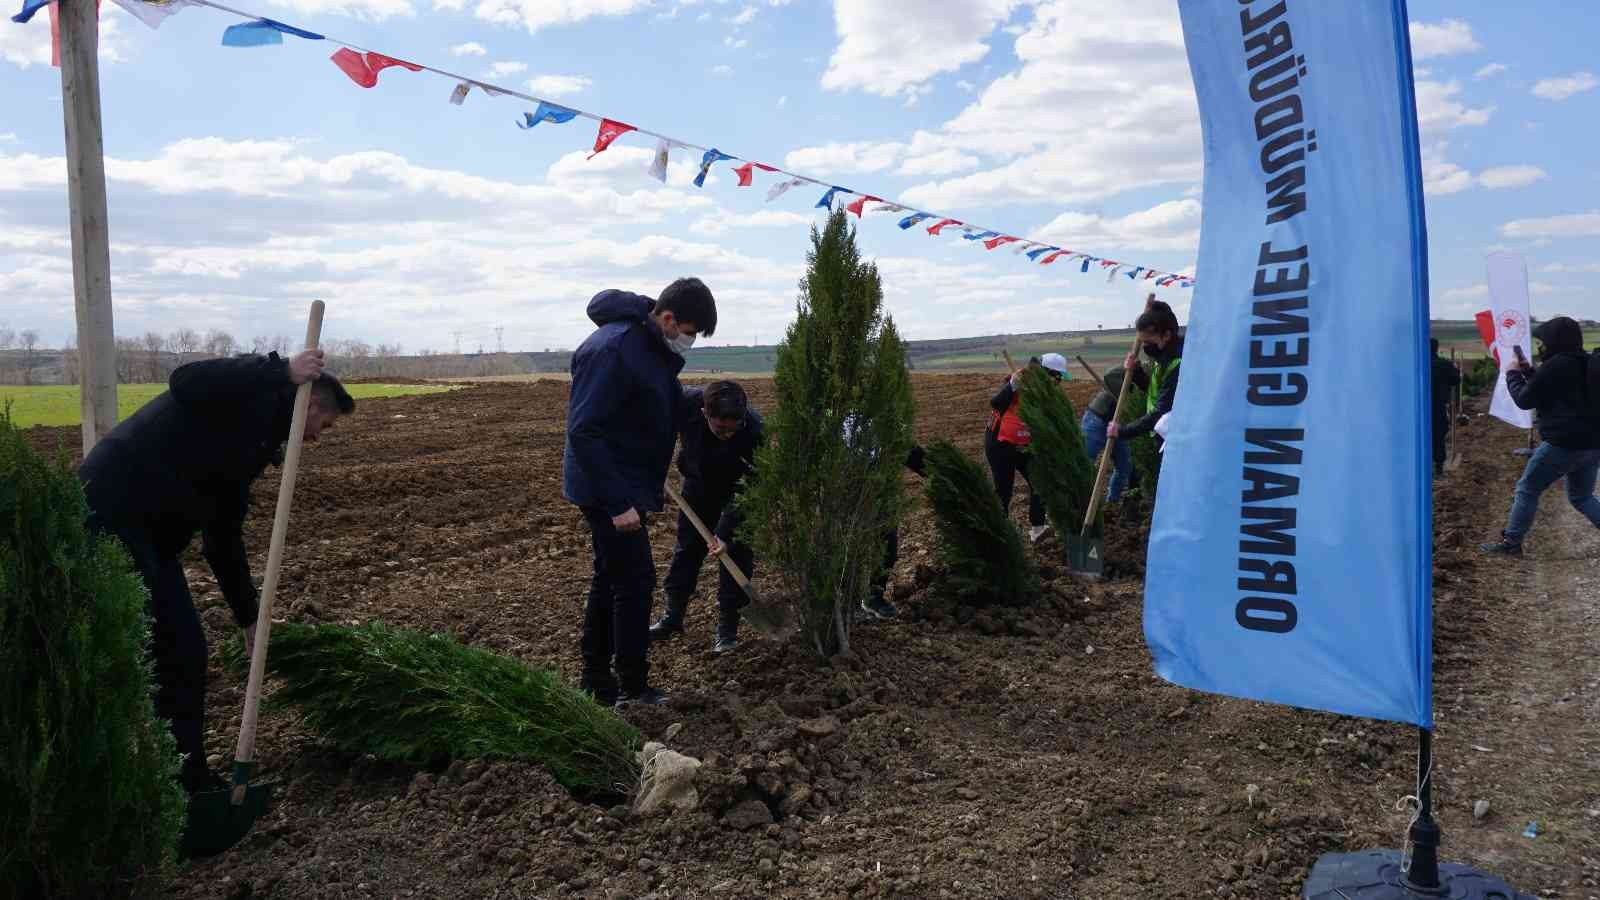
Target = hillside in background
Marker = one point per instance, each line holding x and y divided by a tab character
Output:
973	354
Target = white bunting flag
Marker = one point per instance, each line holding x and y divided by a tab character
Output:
782	187
152	13
658	162
459	95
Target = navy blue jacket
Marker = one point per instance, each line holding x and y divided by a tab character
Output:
625	408
711	467
185	461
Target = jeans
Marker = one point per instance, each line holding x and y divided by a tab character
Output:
690	553
1094	440
1005	461
1549	464
616	619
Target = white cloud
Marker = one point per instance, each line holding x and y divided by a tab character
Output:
370	10
723	70
502	69
1577	225
784	100
471	48
887	46
1174	225
1562	88
734	43
1572	269
940	162
1439	109
966	86
745	16
1490	71
9	138
536	14
29	45
844	158
1503	177
1447	38
1467	292
557	85
723	221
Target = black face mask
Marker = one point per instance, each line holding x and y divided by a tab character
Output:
1152	350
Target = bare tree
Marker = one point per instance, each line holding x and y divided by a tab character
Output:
219	343
184	341
69	360
8	336
127	358
153	342
30	346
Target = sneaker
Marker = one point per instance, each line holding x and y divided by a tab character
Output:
879	608
666	629
725	644
1037	533
646	696
1503	547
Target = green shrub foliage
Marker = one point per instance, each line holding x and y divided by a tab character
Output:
1060	469
978	545
1146	458
1480	376
817	508
405	696
89	801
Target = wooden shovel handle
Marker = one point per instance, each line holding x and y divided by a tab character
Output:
708	537
1111	442
1092	373
269	588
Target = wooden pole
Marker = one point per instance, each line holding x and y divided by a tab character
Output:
1104	472
86	204
1092	373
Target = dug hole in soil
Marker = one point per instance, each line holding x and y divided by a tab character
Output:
955	752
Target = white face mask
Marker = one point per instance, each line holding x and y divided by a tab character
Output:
681	344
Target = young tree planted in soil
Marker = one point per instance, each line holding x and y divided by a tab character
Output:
818	505
978	544
1060	468
90	804
1146	458
406	696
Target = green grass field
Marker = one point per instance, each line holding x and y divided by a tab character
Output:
58	404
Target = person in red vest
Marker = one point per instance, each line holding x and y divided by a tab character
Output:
1005	443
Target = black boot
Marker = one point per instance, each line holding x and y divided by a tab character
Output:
670	625
727	632
602	689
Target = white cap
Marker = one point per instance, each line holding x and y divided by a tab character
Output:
1054	362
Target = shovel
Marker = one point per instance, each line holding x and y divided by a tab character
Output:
772	621
219	819
1085	554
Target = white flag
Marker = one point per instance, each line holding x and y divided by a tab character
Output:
154	12
658	162
782	187
1115	270
1508	299
459	95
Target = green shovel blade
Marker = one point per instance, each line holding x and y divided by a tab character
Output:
1086	556
215	823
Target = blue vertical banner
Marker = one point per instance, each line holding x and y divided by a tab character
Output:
1290	559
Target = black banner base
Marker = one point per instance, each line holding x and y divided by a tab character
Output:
1376	875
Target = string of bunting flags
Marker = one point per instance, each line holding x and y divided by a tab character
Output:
363	65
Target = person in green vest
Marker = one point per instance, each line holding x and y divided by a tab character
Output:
1163	345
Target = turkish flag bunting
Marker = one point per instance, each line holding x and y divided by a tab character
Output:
610	130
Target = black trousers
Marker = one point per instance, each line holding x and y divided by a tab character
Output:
1441	428
1005	461
178	643
691	551
891	555
616	618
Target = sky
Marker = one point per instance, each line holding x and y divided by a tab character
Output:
244	183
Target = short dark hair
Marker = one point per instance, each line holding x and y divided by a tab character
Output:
1433	345
725	399
1158	318
332	395
689	300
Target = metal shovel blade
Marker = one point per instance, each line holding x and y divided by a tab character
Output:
215	823
1086	556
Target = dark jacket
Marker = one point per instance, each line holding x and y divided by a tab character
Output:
1169	360
623	416
1104	403
185	461
1558	389
1445	378
712	468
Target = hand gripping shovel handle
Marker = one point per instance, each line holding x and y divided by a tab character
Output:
1111	442
705	535
269	588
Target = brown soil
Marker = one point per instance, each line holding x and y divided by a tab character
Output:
957	753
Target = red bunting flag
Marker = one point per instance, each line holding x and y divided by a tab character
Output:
610	130
934	228
363	70
860	202
1053	257
746	172
998	241
1486	330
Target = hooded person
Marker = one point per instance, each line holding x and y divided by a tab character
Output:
1097	417
1006	440
1565	390
183	464
623	420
